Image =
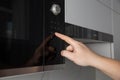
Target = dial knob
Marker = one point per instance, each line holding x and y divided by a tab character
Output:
55	9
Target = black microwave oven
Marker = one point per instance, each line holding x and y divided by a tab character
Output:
27	41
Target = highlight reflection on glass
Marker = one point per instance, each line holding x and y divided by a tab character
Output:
43	49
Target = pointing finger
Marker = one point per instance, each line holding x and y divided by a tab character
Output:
66	39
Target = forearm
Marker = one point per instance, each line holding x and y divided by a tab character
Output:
108	66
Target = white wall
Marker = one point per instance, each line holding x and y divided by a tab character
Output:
96	15
105	50
89	13
116	28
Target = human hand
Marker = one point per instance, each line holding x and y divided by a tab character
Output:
77	51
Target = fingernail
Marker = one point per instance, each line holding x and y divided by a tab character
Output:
62	52
56	33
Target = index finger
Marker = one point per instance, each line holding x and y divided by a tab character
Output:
66	38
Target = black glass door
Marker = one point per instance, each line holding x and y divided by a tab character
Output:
27	33
21	33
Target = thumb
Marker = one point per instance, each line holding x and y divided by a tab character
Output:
67	54
70	48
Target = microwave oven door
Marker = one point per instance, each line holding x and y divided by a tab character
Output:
21	32
27	41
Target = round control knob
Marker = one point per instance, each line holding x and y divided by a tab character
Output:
55	9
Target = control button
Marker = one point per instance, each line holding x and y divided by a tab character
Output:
55	9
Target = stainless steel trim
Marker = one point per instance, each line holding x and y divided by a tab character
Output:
55	9
54	67
18	71
21	71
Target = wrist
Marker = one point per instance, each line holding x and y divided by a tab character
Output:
94	59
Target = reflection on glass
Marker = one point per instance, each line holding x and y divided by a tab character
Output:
20	32
23	40
42	50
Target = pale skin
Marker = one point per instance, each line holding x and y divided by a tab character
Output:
81	55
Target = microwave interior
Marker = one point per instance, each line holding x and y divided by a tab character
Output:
27	40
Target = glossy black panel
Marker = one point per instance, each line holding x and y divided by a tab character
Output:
54	23
27	33
21	32
86	35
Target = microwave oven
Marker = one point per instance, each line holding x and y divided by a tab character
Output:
27	41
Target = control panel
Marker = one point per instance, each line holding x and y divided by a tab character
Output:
54	16
54	22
